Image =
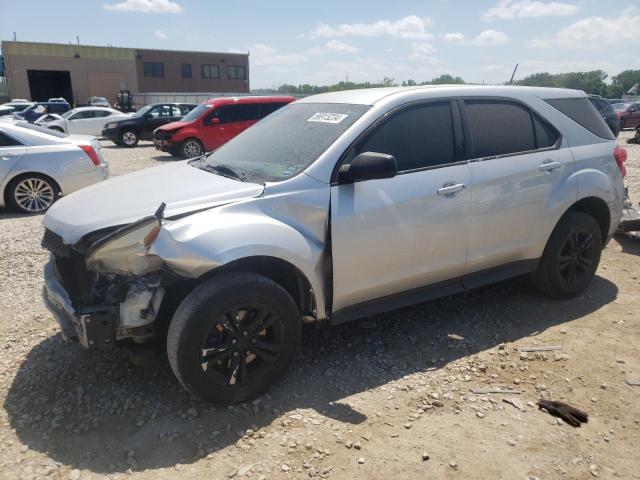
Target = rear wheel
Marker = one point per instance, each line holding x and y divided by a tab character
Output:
33	193
571	257
128	138
233	337
191	148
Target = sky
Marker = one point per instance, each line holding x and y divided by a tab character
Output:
323	42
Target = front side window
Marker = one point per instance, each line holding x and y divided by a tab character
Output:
237	72
83	115
153	69
286	142
186	70
418	137
210	71
236	113
499	127
164	111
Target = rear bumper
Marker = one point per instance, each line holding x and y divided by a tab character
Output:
92	328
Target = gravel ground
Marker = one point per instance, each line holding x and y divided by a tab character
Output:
389	396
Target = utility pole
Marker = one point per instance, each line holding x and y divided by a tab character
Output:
513	74
78	39
14	36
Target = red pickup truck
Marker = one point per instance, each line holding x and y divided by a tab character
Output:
213	123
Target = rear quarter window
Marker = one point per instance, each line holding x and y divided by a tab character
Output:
581	111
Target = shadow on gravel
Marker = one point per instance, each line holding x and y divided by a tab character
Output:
628	244
93	410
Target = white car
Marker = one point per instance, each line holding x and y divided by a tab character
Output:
82	121
37	166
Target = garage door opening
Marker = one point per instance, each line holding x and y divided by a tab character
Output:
46	84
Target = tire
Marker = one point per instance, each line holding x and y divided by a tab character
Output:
622	125
32	193
571	257
128	138
214	317
191	148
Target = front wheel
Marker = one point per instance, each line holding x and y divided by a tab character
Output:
191	148
128	138
233	336
571	257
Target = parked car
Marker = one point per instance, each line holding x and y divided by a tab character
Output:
6	110
339	206
19	104
37	165
629	116
608	113
140	126
213	123
82	120
98	102
38	109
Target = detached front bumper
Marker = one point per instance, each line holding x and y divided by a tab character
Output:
92	327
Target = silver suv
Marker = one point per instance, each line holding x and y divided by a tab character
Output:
336	207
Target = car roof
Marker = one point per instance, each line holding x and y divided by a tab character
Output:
370	96
249	99
92	107
169	103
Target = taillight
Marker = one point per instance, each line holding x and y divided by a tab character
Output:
88	149
620	154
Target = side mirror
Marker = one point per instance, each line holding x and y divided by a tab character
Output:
369	166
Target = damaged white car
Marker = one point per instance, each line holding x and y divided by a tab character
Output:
338	206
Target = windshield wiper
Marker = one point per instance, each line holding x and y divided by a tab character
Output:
226	171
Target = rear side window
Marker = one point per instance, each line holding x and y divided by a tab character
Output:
7	141
499	127
237	113
546	136
418	137
267	108
581	111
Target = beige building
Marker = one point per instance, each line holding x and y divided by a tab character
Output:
39	71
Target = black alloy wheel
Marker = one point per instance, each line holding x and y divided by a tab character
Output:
577	258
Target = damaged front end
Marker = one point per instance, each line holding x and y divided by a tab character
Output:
106	289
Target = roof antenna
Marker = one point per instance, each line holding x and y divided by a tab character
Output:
513	75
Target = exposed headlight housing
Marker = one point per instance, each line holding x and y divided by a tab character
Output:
111	125
126	250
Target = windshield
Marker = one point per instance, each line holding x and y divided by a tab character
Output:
286	142
195	113
143	110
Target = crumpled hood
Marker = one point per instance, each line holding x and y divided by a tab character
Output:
173	126
127	198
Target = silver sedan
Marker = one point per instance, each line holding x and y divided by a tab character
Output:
37	165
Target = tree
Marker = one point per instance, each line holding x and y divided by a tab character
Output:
622	82
590	82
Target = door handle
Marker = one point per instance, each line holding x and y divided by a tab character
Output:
448	188
548	166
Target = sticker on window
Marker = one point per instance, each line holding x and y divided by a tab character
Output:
323	117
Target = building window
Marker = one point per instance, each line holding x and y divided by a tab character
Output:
186	70
237	72
153	69
210	71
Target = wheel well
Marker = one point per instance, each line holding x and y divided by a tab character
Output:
598	209
280	271
11	183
